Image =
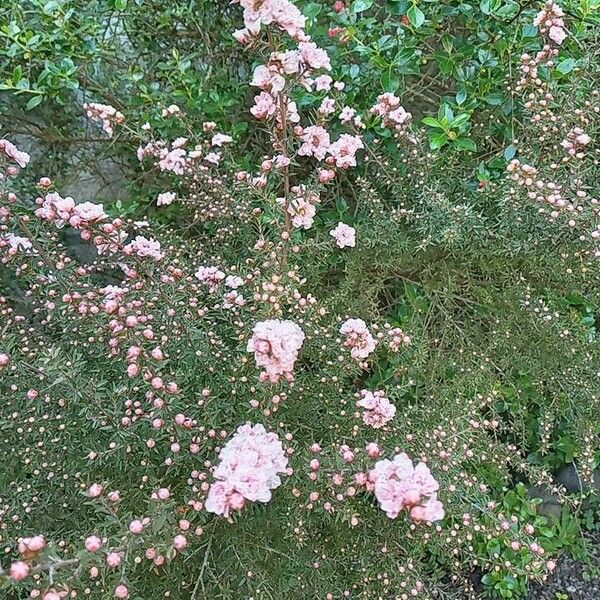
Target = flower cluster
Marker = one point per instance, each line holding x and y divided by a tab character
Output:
358	338
576	142
165	198
212	277
392	114
550	21
108	115
399	485
144	248
282	13
399	339
378	409
276	344
251	462
14	154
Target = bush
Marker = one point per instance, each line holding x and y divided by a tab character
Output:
341	342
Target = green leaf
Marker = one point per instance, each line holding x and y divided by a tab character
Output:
432	122
415	16
437	140
34	101
465	144
312	10
495	98
120	4
359	6
566	65
461	96
460	120
509	152
389	82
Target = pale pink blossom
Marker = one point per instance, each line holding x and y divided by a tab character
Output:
165	198
19	570
323	83
316	142
106	114
219	139
327	107
378	409
264	107
144	248
345	236
358	338
10	150
313	56
276	344
399	485
212	277
343	151
249	468
302	212
268	79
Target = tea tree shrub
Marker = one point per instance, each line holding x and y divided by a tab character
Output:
331	360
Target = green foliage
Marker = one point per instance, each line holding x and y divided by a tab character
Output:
497	390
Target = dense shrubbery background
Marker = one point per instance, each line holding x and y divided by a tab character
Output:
477	244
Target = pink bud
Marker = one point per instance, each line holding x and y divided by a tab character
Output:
136	527
113	559
121	591
95	490
179	542
93	543
19	570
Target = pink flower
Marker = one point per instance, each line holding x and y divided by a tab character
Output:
323	83
264	106
93	543
113	559
19	570
108	115
95	490
55	208
144	248
326	175
344	150
358	338
399	485
557	34
313	56
379	410
86	214
212	277
345	236
20	157
327	107
121	591
316	142
165	198
393	115
268	79
136	527
550	22
399	339
303	213
173	161
275	345
251	462
347	114
219	139
179	542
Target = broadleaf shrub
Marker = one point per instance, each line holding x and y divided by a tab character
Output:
341	342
